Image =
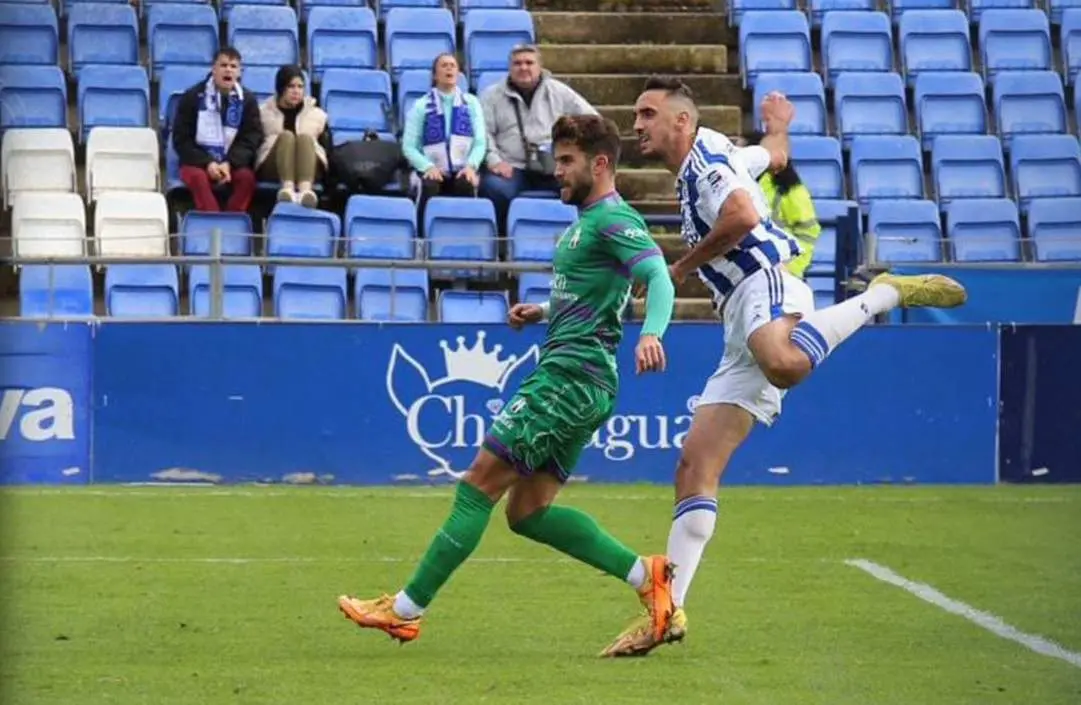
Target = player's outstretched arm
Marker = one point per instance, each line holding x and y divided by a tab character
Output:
777	114
660	300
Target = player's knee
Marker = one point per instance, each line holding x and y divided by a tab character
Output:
693	474
785	371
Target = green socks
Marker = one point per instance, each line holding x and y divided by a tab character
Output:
579	535
453	543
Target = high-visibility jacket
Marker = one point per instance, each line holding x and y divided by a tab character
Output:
794	211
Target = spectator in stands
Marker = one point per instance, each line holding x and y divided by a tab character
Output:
520	114
791	207
295	139
445	139
216	134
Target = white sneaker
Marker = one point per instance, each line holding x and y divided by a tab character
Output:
309	199
286	195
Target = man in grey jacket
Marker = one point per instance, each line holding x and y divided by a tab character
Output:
540	100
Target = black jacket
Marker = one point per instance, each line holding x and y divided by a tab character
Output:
248	137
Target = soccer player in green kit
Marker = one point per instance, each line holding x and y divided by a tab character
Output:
534	444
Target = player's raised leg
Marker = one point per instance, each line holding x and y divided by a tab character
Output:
487	479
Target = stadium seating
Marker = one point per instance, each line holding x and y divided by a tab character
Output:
1028	102
1014	40
949	103
313	293
905	231
341	37
113	96
1070	41
122	159
264	35
886	167
984	230
738	8
356	100
771	42
380	227
49	224
102	34
807	94
825	252
457	306
464	7
855	42
56	291
197	228
391	295
819	8
227	6
41	159
33	96
295	231
1059	8
534	287
131	224
932	41
534	225
489	36
242	291
385	6
460	228
1054	227
173	81
900	8
818	160
1045	166
181	34
142	291
306	6
967	166
29	35
870	104
415	35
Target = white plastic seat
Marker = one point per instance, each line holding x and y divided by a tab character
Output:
131	224
121	159
37	159
48	224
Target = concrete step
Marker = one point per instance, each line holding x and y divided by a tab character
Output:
635	58
673	6
724	118
655	206
624	89
686	309
634	28
645	184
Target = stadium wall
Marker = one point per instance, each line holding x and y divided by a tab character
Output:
118	402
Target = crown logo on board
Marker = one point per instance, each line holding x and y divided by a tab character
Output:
476	364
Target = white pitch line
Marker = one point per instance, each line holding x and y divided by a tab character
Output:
988	621
335	560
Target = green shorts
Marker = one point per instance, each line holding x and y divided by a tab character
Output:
548	422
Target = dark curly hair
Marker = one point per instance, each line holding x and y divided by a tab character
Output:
592	134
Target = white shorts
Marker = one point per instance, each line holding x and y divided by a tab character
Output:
763	297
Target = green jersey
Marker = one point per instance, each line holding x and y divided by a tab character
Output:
591	286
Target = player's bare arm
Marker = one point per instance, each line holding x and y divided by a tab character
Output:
737	218
777	113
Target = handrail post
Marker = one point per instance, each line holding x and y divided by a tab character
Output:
217	286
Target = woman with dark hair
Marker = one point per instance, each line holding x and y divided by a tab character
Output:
792	208
295	136
445	139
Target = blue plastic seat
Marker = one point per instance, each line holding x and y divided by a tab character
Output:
905	231
305	7
984	230
295	231
33	96
464	7
738	8
460	228
856	42
310	293
381	227
1070	41
900	8
357	100
341	38
1028	102
102	33
967	166
819	8
489	36
1058	8
949	103
829	211
534	225
870	104
1054	227
807	94
181	34
142	291
227	6
818	161
1014	40
173	81
414	36
977	8
932	41
886	168
392	295
486	79
242	291
265	35
196	228
456	306
29	34
534	287
777	41
385	6
113	96
1045	166
67	291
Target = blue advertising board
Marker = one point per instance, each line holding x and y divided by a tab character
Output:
371	404
1040	427
45	389
1003	295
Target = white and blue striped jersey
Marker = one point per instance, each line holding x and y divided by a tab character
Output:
713	170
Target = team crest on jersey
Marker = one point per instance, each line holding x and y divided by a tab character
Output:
575	232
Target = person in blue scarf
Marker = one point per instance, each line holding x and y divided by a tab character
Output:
445	139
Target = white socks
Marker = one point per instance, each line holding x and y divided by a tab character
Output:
692	527
821	331
406	608
637	577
